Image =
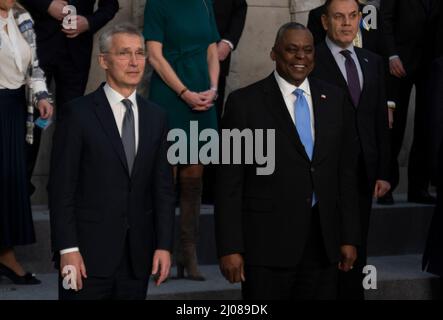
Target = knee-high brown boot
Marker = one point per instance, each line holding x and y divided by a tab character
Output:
190	199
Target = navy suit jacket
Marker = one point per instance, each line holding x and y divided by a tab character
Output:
94	203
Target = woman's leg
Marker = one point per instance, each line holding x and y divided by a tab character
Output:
8	258
190	199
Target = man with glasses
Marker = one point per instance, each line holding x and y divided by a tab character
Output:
65	54
111	187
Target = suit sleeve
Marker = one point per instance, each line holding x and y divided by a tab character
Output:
105	12
237	23
40	6
64	176
387	11
348	197
164	198
382	127
229	190
435	119
315	26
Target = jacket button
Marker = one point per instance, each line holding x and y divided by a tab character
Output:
312	169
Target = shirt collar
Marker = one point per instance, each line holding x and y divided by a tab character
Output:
335	49
114	97
288	89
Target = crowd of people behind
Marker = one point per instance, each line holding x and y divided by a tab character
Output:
338	99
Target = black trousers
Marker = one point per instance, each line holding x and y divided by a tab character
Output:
70	83
209	174
400	92
314	278
350	284
123	285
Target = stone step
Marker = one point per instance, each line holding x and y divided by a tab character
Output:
398	229
398	278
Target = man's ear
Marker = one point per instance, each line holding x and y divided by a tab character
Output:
272	54
324	21
102	61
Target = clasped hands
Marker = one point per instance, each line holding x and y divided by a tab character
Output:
199	101
56	11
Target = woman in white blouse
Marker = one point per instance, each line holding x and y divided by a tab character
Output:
22	88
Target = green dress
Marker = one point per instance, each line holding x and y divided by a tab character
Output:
186	28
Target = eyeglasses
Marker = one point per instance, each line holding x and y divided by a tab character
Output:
127	55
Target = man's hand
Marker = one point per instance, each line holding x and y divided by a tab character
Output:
232	267
55	9
223	50
348	257
74	259
381	188
396	68
82	26
161	265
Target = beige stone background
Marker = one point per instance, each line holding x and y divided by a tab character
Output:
250	62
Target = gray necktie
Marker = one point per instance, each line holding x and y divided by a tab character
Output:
128	134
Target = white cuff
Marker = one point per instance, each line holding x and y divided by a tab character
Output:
69	250
393	57
229	43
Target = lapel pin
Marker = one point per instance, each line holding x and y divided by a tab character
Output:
323	96
366	59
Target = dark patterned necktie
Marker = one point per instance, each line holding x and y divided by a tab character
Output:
128	134
352	75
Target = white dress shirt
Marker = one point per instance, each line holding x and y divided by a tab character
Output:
340	59
15	54
287	90
118	109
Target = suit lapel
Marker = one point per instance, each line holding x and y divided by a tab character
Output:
365	69
328	63
318	102
106	117
277	106
144	134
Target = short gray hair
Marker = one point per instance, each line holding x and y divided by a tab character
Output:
288	26
106	37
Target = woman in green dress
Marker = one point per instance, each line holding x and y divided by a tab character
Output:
182	38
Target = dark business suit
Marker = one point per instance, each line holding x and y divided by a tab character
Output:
230	16
95	204
433	255
371	38
269	219
407	33
65	60
371	117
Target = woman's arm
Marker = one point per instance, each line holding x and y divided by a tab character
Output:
165	71
214	71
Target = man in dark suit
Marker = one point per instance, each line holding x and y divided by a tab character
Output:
407	42
230	16
65	55
285	235
367	37
111	186
433	255
361	73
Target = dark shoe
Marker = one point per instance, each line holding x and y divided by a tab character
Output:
422	196
27	279
386	200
